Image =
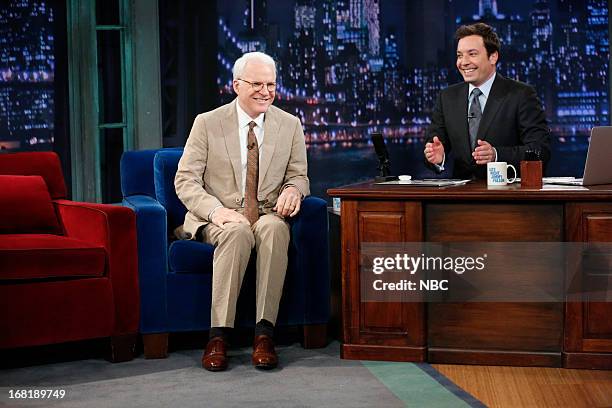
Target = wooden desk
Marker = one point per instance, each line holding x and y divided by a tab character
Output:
574	335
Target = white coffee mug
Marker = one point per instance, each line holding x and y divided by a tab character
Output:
497	173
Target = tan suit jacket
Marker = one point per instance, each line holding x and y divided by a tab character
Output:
210	171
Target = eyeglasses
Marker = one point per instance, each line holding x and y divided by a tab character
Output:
258	86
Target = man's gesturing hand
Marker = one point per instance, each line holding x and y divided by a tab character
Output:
224	215
434	151
484	153
288	203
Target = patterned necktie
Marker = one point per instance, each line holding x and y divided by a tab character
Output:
251	207
474	116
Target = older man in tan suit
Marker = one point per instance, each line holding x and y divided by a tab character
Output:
242	172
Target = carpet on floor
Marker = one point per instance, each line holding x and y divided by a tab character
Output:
304	378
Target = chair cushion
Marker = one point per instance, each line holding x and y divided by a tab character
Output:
190	257
39	256
26	206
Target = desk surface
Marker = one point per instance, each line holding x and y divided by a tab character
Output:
474	190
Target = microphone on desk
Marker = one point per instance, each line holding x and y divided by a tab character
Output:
384	164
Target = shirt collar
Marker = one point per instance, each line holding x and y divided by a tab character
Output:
484	88
244	119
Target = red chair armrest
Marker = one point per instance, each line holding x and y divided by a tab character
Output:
114	228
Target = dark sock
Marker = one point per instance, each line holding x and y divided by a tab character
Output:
222	332
264	327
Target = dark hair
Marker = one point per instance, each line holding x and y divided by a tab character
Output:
490	39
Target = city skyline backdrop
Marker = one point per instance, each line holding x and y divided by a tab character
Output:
341	55
27	73
352	67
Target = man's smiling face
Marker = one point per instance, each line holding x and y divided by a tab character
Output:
473	62
255	102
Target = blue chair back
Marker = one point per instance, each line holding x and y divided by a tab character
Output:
137	173
165	165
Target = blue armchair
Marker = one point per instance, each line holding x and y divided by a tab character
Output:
176	275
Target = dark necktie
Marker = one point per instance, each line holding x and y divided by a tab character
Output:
251	207
474	116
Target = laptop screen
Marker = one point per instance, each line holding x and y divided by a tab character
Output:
597	168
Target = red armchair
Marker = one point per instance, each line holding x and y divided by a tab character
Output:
68	270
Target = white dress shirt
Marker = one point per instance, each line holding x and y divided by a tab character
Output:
485	89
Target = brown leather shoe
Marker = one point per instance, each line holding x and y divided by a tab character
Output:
264	355
215	355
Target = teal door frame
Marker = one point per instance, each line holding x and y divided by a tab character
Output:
141	122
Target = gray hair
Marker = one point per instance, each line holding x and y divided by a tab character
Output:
251	56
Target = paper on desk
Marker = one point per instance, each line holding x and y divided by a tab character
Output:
554	179
428	182
562	187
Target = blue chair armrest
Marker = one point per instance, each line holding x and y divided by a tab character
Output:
152	261
309	237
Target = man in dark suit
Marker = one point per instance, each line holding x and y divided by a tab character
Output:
486	118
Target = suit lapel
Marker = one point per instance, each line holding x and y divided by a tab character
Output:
460	122
494	101
271	135
232	141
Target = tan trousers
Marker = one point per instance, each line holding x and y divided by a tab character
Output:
270	238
